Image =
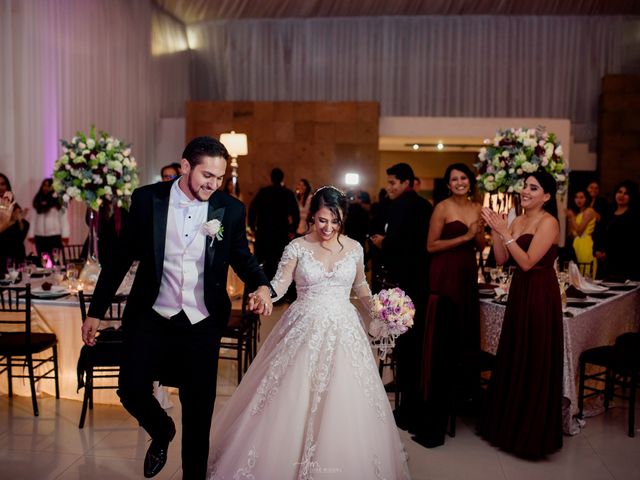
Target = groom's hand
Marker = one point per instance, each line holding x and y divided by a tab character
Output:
260	301
89	330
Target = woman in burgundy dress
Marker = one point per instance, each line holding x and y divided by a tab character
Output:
455	232
524	401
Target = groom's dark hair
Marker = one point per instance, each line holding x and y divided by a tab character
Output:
204	147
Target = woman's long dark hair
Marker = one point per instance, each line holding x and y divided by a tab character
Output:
632	191
6	181
43	202
461	167
302	198
332	199
572	202
549	185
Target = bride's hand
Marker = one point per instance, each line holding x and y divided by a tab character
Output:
260	301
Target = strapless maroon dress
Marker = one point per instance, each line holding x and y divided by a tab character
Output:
524	403
454	274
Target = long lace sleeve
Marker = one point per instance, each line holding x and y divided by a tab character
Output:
363	292
284	274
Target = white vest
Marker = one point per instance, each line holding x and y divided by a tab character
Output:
182	284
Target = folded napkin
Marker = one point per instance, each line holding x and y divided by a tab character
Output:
573	292
581	283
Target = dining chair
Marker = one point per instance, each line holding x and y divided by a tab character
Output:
586	268
627	372
72	253
612	366
19	345
240	336
389	361
101	361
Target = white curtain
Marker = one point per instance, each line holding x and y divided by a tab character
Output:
68	64
467	66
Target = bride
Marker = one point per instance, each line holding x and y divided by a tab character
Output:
312	404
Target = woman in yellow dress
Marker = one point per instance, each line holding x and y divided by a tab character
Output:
582	222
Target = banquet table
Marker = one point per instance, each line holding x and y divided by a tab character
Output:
584	328
62	317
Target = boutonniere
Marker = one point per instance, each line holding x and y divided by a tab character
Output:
214	229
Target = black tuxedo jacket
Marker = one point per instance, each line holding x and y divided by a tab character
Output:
143	239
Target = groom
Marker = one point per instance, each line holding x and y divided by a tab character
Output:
185	234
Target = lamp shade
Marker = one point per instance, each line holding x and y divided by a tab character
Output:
236	143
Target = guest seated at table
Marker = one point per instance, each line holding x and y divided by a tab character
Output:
524	402
582	222
455	232
617	245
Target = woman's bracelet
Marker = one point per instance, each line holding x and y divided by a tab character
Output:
509	241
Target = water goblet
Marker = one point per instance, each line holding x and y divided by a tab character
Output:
493	272
12	270
72	275
27	270
56	256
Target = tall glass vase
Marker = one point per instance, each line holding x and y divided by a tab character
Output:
92	246
91	269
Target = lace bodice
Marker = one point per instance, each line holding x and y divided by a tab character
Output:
315	280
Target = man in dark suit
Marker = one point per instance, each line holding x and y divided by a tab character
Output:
274	217
404	256
185	234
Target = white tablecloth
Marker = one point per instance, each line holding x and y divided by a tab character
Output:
590	327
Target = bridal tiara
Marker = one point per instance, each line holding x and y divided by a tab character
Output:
332	188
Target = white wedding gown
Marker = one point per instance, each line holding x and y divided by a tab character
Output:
312	404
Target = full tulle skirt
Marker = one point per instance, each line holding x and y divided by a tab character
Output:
311	405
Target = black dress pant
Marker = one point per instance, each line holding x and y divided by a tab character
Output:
178	354
47	244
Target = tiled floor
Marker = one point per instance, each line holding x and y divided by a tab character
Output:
111	446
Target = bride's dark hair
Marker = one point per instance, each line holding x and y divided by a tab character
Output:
332	199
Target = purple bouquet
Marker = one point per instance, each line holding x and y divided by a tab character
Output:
393	315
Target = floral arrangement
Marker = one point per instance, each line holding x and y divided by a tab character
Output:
393	312
95	169
515	153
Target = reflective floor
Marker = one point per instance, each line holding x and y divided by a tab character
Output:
111	446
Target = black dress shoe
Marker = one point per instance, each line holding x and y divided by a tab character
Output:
156	456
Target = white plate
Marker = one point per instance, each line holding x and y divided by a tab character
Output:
55	290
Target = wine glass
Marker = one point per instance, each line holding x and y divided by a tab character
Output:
493	272
56	256
12	270
72	275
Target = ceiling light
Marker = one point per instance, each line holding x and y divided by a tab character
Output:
440	146
352	179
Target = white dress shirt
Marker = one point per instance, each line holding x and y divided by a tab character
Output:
182	285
